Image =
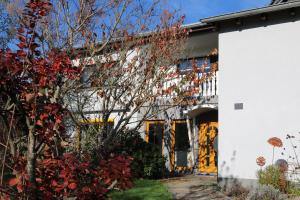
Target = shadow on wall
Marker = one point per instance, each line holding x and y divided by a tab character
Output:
226	169
230	185
226	179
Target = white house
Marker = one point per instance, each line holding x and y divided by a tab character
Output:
251	98
258	85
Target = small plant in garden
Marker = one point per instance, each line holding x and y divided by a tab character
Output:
265	192
291	138
293	190
272	175
235	189
275	175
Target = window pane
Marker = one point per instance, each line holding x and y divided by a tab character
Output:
86	76
156	133
181	158
181	137
187	64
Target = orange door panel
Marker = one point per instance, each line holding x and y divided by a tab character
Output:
208	134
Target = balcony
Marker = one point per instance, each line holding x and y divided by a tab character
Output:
205	89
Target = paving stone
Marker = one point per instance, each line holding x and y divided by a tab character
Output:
194	187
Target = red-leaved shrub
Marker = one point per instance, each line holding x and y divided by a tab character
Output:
70	176
117	169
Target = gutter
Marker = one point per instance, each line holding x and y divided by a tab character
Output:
252	12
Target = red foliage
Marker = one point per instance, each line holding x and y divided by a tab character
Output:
31	80
70	176
30	77
117	168
13	182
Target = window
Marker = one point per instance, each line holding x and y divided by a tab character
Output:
186	64
154	133
181	137
86	76
181	143
92	73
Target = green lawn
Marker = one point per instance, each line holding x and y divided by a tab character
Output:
144	190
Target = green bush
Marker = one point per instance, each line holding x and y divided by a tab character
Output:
148	160
272	175
293	190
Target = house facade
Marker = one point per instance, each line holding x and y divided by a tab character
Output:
258	87
252	97
254	94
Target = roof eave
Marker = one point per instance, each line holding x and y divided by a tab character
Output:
252	12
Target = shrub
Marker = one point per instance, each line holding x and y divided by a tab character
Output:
68	176
272	175
235	189
117	170
265	192
148	161
293	190
153	162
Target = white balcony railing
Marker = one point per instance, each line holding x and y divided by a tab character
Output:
208	86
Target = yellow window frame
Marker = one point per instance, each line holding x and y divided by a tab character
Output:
147	124
96	120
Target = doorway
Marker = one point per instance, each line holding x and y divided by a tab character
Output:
208	142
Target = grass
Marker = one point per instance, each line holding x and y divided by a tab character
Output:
143	190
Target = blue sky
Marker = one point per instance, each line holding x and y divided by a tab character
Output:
198	9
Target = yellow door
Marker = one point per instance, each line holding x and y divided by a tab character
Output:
208	147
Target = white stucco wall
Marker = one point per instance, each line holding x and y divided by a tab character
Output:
259	67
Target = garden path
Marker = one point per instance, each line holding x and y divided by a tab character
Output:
193	187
